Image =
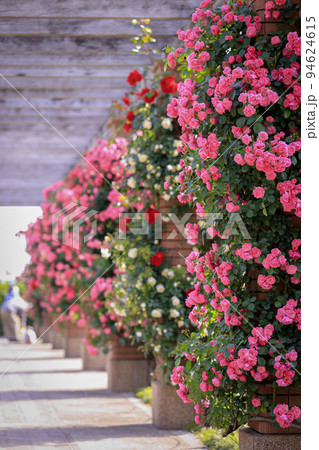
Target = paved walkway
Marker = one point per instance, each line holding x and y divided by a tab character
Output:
47	401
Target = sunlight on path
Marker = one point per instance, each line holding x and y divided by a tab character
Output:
47	401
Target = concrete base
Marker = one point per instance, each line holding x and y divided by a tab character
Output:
169	411
92	362
47	329
251	440
46	338
73	347
57	339
126	375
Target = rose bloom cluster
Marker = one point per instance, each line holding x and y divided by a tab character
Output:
240	170
152	158
61	266
148	292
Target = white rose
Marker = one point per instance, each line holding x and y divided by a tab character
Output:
175	301
132	253
151	281
174	313
147	124
166	123
157	186
166	197
143	305
139	285
165	272
157	348
156	313
131	182
181	323
160	288
142	158
105	252
138	334
170	273
169	167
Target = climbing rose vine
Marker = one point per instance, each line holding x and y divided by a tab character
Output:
239	112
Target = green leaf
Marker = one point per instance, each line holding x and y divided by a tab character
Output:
240	122
188	365
286	113
257	127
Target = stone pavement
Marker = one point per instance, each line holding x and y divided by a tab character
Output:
47	401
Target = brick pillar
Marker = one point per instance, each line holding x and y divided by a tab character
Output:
172	241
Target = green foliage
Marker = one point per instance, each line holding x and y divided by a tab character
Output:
145	394
214	441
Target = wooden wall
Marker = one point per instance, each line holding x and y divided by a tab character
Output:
69	60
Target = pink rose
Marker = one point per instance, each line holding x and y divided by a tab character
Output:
259	192
251	31
249	110
292	355
275	40
256	402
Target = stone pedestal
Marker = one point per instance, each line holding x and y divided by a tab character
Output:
47	322
37	327
127	367
251	440
73	340
169	411
127	375
57	339
92	362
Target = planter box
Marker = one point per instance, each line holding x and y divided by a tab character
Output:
92	362
57	337
127	367
47	321
169	411
73	340
251	440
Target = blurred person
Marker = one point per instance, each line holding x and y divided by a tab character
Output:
13	314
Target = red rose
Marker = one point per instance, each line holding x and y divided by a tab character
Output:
150	215
151	96
130	116
157	259
127	126
143	92
126	100
134	77
168	85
